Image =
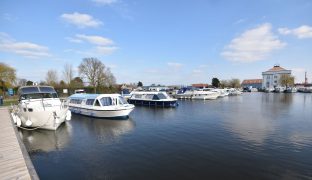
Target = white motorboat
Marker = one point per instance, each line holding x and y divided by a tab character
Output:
203	95
234	92
39	107
221	92
184	93
100	105
150	98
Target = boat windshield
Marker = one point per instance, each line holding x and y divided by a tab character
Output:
122	100
38	96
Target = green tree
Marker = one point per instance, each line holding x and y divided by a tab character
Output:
7	76
76	82
29	83
215	82
140	84
287	80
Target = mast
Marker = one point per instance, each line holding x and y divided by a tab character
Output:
305	79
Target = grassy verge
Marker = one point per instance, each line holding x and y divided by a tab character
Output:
8	102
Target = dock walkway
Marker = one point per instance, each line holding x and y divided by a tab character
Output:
14	159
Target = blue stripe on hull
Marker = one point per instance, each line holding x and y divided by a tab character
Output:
154	103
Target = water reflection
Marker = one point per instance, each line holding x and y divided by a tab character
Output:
46	140
105	130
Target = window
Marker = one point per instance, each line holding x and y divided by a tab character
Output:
97	103
161	96
275	77
275	81
90	102
122	100
106	101
155	97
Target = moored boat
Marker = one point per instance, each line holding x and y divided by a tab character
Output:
205	95
149	98
100	105
39	107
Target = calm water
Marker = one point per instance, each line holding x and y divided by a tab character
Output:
254	136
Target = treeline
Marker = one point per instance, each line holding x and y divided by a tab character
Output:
93	76
232	83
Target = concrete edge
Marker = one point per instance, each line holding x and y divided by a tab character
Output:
31	169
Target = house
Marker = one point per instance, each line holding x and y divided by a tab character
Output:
271	77
252	83
201	85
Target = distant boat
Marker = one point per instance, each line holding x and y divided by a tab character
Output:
234	92
184	93
100	105
305	89
205	95
147	98
290	90
39	107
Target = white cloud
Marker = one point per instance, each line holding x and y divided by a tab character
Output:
25	49
253	45
81	20
98	40
104	50
105	2
73	40
103	46
174	65
300	32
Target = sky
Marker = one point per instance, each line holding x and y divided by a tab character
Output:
175	42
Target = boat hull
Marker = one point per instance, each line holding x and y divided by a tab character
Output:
117	113
49	119
155	103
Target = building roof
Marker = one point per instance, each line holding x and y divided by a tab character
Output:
252	81
276	68
199	85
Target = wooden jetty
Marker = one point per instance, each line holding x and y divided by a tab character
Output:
14	159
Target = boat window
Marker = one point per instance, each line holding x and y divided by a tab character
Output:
90	102
47	90
149	96
26	90
161	96
106	101
49	95
75	101
122	100
155	97
97	103
138	96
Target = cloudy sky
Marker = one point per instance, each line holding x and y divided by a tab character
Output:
166	42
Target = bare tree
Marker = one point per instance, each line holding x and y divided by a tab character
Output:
51	77
68	73
96	72
287	80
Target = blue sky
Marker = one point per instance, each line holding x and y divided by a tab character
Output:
163	42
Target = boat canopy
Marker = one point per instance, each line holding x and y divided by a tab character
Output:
35	89
84	96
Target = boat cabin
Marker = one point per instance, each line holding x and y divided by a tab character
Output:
96	100
36	92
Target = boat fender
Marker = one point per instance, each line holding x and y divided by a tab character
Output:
18	121
68	115
13	117
28	122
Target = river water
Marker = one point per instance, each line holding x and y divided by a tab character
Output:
252	136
